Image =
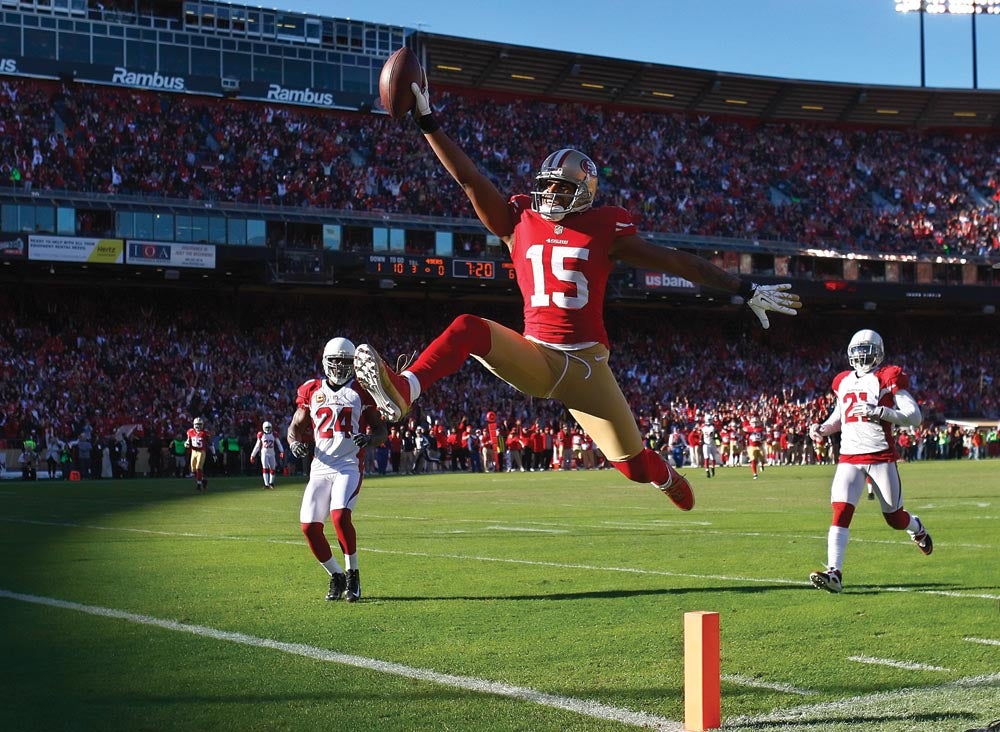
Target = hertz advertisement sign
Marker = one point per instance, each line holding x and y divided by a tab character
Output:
76	249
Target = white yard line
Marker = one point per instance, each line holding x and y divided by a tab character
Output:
984	641
470	683
741	680
894	699
908	665
477	558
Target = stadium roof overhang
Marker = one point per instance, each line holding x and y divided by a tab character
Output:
521	70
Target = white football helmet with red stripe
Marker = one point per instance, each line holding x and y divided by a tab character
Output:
565	183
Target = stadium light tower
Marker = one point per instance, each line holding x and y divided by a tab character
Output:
949	7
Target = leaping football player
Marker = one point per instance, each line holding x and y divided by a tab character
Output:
563	249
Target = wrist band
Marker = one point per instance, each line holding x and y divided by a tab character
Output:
427	124
746	289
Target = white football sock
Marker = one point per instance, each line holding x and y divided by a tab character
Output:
332	566
836	546
414	385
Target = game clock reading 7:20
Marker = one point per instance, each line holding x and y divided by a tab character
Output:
411	266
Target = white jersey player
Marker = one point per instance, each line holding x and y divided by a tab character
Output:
870	399
709	450
269	447
340	418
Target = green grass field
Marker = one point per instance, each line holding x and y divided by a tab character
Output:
539	601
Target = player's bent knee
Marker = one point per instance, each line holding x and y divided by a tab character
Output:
312	530
898	520
842	514
341	517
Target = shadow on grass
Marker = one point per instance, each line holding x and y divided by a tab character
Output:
602	594
862	722
613	594
909	587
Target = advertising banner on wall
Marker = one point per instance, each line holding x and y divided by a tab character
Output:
13	246
75	249
161	254
659	282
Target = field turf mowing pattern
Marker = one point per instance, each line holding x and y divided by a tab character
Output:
525	601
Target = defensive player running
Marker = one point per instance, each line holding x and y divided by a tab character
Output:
198	443
266	446
563	250
341	419
870	399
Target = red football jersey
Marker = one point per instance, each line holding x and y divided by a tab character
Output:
198	440
562	269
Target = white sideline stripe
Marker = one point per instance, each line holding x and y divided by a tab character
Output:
810	712
908	665
525	528
470	683
636	526
470	557
944	593
984	641
758	684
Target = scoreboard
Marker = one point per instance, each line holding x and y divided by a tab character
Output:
406	265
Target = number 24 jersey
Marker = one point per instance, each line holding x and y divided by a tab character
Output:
337	414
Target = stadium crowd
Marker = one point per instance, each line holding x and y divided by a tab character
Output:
845	189
137	368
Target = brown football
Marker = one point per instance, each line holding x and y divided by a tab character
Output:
400	70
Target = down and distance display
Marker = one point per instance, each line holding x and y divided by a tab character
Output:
404	265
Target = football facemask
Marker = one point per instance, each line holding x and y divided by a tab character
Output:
865	351
565	183
338	361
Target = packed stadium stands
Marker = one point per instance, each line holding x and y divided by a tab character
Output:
73	360
76	361
913	192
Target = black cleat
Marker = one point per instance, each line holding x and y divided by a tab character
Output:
923	542
353	593
829	580
991	727
922	539
338	583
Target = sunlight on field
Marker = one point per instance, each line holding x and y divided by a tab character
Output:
500	602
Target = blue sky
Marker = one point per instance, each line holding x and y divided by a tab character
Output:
856	41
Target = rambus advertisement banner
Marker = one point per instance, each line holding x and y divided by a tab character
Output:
75	249
160	254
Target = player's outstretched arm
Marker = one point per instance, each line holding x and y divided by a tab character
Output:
490	205
761	299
